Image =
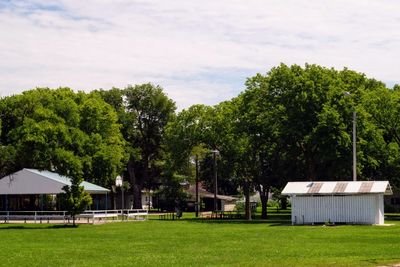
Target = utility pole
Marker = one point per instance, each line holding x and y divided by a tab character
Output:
215	179
354	145
348	94
197	203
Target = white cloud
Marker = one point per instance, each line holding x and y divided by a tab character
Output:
99	44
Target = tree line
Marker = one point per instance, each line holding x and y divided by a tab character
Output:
293	123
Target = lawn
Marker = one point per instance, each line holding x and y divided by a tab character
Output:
191	242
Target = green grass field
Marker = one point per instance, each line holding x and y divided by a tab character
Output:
190	242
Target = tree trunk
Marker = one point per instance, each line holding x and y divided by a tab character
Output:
136	186
247	203
284	203
73	220
263	191
137	196
312	173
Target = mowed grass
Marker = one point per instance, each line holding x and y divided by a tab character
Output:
191	242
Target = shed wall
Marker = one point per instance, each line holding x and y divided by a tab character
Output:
358	209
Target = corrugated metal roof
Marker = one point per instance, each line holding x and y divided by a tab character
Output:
314	188
340	187
366	187
89	187
32	181
203	193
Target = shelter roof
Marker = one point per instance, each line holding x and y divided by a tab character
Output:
203	193
32	181
337	188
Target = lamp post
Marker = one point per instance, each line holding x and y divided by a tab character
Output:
195	160
119	183
354	141
354	146
215	152
197	203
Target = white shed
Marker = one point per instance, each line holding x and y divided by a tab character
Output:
338	202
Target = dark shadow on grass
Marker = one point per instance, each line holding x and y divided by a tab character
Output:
36	227
241	221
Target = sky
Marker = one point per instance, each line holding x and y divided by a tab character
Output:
199	52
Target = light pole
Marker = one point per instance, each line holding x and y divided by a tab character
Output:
354	141
215	152
195	160
119	183
197	187
354	146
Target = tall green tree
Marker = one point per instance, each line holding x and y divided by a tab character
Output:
256	121
314	117
144	111
382	159
63	131
152	110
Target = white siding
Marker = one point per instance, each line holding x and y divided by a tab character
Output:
358	209
228	207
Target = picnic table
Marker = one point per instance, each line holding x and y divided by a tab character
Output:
169	216
221	214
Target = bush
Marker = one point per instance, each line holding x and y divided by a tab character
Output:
240	206
273	204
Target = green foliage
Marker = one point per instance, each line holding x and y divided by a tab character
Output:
59	130
171	195
311	120
143	111
273	203
75	200
190	129
292	123
240	206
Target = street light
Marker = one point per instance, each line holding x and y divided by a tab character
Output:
195	160
119	183
354	140
215	152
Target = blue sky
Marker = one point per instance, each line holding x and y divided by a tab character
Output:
198	51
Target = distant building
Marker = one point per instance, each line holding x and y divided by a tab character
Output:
225	203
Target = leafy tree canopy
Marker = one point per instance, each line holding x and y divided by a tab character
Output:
74	134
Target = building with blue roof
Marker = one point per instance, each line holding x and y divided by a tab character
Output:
32	189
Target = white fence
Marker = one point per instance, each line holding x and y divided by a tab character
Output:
135	214
88	216
35	216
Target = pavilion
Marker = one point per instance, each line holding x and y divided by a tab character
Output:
32	189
